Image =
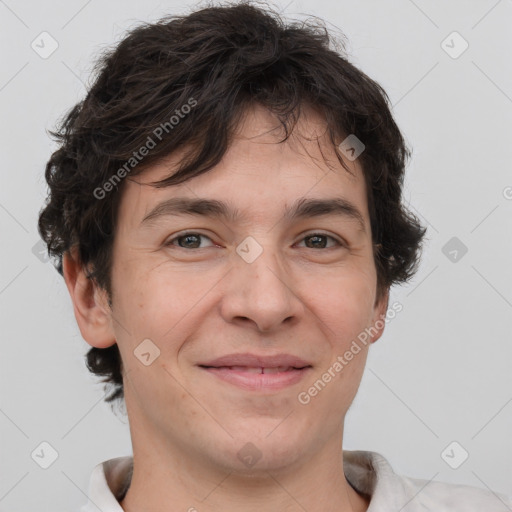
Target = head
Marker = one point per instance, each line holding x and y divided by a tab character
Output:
229	104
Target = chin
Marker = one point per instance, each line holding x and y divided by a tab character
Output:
252	455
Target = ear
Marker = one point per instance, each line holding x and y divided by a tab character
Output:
379	314
90	303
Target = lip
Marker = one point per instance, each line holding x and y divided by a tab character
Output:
255	360
258	381
233	368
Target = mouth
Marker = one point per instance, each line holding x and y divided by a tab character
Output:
258	372
257	369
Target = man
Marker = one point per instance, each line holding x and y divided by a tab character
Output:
226	209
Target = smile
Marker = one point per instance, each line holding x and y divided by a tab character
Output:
258	378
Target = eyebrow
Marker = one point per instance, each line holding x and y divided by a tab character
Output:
302	208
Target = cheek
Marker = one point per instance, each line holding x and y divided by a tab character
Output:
150	299
346	305
166	308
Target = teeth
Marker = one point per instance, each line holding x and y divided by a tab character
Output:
260	369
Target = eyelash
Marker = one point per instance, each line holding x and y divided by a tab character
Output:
188	233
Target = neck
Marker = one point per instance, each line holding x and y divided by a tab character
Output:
164	481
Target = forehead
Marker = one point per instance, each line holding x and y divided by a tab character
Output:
258	175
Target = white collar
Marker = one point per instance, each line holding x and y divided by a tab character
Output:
368	472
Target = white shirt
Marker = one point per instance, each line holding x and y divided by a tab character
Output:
368	472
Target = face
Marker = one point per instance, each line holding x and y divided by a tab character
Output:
268	281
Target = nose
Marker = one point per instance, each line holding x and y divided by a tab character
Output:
261	293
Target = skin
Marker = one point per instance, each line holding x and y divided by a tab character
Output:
197	304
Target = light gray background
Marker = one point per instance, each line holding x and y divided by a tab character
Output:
440	373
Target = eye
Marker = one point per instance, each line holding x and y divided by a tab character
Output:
191	240
315	241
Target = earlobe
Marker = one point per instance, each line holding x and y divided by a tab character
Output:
379	316
89	303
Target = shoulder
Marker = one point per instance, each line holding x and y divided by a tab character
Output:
371	473
444	497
